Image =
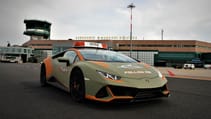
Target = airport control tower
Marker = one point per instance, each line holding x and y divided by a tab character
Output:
37	29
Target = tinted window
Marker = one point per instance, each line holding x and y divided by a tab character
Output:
77	59
70	55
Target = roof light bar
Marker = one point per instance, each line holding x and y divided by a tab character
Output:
90	45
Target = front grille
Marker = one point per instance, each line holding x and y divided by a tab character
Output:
137	93
149	93
123	91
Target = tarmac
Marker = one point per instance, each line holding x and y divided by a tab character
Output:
197	73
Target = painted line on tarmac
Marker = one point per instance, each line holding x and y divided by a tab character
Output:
191	77
171	74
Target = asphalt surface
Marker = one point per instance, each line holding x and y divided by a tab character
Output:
21	97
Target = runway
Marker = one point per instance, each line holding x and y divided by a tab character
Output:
22	97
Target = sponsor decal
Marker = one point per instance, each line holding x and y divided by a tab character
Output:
130	66
86	79
147	80
64	69
137	72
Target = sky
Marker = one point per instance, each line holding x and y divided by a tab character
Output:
180	19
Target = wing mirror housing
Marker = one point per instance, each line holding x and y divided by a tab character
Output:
64	60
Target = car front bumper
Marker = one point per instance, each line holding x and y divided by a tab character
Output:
126	94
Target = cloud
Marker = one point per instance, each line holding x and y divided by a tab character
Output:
180	19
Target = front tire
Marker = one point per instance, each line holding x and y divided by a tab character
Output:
77	86
43	81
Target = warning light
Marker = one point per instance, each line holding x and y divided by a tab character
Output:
82	44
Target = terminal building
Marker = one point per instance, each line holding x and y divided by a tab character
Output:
153	52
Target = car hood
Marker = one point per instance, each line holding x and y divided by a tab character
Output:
128	70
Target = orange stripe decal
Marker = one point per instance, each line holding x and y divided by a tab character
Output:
103	64
48	67
113	97
78	53
166	92
118	81
90	97
146	65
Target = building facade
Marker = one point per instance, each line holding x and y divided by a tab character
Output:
16	54
154	52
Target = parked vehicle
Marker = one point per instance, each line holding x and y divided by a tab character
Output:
207	66
197	62
10	59
189	66
178	66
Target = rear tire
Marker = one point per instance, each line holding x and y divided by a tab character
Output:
43	81
77	86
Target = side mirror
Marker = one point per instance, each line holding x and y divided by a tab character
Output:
64	60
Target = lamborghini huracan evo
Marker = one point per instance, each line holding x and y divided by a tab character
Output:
90	71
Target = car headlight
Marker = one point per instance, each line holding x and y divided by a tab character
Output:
159	74
109	76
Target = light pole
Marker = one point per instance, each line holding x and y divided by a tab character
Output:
131	6
162	34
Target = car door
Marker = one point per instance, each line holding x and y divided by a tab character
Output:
64	68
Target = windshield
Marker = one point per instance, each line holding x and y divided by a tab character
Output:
105	56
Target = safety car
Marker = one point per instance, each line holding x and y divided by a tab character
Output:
90	71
